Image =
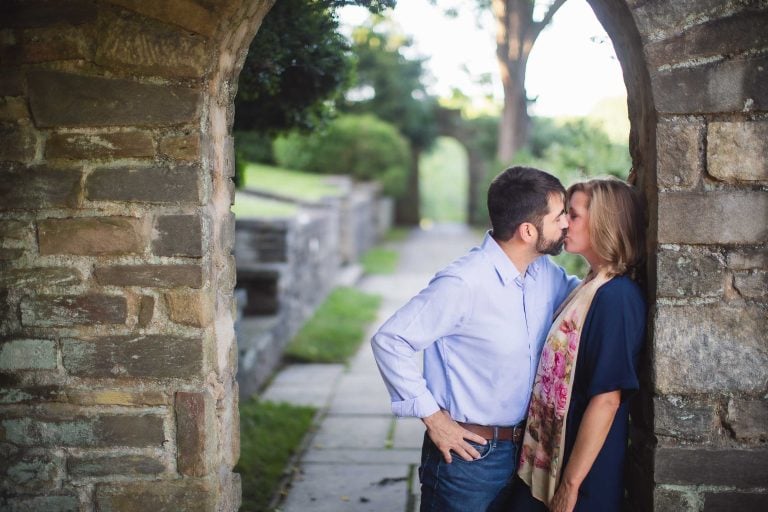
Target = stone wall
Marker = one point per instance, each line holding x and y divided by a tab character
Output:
117	352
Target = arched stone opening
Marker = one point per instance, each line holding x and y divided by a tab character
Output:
117	351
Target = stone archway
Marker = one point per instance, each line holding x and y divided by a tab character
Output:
117	353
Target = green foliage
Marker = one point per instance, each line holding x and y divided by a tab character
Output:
573	264
380	261
336	330
270	433
289	183
363	147
443	182
247	205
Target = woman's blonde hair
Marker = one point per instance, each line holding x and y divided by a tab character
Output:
616	222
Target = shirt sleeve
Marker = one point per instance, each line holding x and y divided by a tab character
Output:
613	335
434	313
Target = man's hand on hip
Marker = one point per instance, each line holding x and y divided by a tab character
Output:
450	436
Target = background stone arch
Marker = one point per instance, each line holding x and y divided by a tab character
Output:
117	354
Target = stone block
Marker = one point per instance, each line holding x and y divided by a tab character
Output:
13	109
741	468
39	278
91	236
703	41
689	272
684	418
12	82
63	99
39	187
66	310
752	284
192	15
181	147
82	431
195	433
748	258
714	217
189	307
42	13
732	86
35	45
189	495
113	397
727	501
18	143
28	354
150	48
14	229
727	344
227	234
58	502
86	146
150	185
10	254
178	235
153	356
146	310
672	500
160	276
122	465
658	19
748	419
29	471
737	152
679	146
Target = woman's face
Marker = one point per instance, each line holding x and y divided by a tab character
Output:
577	240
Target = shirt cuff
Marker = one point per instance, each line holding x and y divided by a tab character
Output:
420	407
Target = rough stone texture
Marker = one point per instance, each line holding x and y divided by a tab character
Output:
178	235
724	343
746	258
42	13
703	466
12	82
195	433
58	502
731	501
748	419
658	19
43	277
181	147
38	188
146	310
715	217
63	99
112	397
122	430
91	236
188	307
100	466
149	47
47	44
679	144
13	109
161	276
670	500
682	418
29	470
82	146
65	310
752	284
732	86
190	495
14	229
151	185
28	354
18	143
689	272
153	356
10	254
737	152
192	15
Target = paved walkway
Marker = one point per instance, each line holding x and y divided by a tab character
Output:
360	458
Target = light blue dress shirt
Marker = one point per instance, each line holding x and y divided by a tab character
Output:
481	326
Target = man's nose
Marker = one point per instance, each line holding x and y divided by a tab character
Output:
564	222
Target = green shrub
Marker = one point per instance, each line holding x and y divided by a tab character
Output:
363	147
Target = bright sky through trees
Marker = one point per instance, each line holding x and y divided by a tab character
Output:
572	65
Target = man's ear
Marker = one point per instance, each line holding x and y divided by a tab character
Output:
527	232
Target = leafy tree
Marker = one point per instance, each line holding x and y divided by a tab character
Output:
296	64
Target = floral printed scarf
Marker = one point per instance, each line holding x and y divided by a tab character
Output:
544	441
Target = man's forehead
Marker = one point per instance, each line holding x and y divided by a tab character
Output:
556	203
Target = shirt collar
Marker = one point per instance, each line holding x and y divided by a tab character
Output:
505	269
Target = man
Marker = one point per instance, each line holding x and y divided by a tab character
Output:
481	323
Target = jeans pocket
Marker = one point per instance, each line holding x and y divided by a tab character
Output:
484	451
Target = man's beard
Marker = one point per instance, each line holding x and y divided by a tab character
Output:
551	247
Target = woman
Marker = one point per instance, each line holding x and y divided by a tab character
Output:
576	435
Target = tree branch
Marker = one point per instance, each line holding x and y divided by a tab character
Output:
538	26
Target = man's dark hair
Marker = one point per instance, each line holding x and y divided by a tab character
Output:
518	195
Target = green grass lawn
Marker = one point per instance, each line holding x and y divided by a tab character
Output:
336	330
247	205
443	182
380	261
270	434
285	182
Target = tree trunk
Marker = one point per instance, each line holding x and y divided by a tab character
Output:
515	122
407	210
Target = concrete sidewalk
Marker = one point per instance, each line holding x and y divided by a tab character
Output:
361	458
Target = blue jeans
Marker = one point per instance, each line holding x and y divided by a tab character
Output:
482	485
